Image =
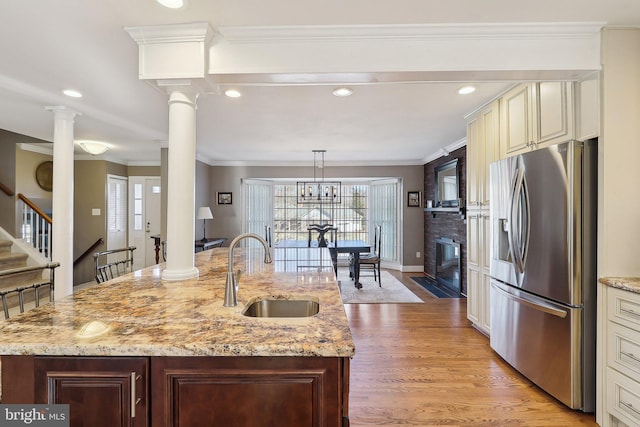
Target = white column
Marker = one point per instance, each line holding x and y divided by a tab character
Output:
62	203
181	185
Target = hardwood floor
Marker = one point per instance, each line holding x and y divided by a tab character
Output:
424	365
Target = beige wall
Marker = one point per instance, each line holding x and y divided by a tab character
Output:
17	177
143	171
228	218
8	178
203	198
619	220
27	162
90	181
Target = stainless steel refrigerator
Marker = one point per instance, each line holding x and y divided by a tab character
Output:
543	268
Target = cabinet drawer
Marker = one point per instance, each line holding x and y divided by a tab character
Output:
623	397
624	307
623	349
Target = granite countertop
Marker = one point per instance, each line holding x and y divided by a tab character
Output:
631	284
141	315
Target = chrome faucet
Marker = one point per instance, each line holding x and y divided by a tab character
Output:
230	290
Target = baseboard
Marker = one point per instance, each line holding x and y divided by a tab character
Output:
412	268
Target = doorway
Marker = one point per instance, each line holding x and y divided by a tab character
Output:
116	212
144	218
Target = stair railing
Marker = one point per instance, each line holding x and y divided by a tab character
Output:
36	226
35	288
6	190
89	251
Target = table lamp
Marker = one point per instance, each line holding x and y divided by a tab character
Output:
204	213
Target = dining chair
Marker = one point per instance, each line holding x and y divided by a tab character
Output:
371	260
322	230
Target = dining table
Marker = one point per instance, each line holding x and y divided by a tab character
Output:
354	247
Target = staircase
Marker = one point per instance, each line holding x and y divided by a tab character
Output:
22	286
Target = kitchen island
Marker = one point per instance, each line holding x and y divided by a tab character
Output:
138	350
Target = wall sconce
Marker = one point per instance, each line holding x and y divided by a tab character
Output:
94	148
204	213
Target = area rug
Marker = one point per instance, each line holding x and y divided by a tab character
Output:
434	288
392	291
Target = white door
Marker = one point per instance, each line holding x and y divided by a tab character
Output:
116	212
144	219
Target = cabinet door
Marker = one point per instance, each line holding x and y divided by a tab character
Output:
515	122
473	295
587	103
490	148
107	392
553	113
485	240
248	391
473	239
485	306
474	148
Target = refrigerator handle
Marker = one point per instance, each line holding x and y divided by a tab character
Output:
515	228
540	306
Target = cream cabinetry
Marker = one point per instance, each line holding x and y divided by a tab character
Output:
483	148
535	115
621	386
478	279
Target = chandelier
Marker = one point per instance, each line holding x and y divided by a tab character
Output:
319	191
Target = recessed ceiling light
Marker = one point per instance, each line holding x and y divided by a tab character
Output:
72	93
232	93
342	91
173	4
466	90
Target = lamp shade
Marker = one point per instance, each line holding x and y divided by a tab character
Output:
204	212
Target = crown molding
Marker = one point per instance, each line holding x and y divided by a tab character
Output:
37	148
199	32
449	148
341	33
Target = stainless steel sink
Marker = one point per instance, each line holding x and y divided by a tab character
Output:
282	308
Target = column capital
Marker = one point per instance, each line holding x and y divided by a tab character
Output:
173	51
63	111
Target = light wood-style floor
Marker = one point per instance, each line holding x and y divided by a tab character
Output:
424	365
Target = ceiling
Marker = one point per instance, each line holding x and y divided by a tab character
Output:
50	46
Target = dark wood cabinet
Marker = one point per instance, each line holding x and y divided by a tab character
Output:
185	391
100	391
248	392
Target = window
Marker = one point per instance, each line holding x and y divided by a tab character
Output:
290	219
364	205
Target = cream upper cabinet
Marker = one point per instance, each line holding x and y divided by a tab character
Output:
588	108
516	120
483	147
535	115
473	174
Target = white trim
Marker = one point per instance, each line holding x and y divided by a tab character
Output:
341	33
172	33
37	148
451	147
412	269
